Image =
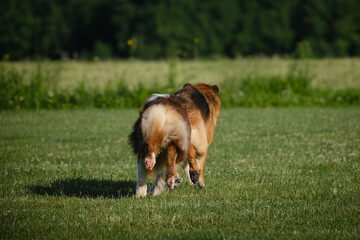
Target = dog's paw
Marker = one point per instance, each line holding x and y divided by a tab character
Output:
140	195
194	176
171	182
199	185
177	181
150	161
141	191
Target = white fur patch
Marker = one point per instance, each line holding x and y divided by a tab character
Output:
156	96
187	173
158	186
141	191
141	186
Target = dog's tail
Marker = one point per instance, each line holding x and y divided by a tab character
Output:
164	124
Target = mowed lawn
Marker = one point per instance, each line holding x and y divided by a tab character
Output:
289	173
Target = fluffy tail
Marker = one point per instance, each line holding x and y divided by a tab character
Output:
162	124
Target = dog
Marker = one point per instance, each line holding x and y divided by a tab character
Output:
161	140
203	113
172	129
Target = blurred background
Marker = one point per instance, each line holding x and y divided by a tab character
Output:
154	29
73	54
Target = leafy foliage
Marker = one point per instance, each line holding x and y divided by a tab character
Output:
187	29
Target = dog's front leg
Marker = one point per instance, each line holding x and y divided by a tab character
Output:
201	161
141	186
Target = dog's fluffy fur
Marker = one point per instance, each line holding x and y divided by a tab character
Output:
170	129
203	113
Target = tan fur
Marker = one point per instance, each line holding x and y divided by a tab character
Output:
202	132
160	125
171	128
161	139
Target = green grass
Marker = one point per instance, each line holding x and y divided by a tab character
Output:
327	73
40	89
290	173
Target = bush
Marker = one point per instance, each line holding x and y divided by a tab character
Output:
102	50
283	92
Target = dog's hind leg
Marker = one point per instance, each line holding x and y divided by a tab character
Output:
150	160
153	152
186	168
194	170
158	186
141	185
177	179
170	165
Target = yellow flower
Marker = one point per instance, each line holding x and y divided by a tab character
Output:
196	40
130	42
96	58
7	56
17	169
75	106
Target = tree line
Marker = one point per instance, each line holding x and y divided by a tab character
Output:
157	29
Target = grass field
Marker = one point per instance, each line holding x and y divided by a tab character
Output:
271	173
327	73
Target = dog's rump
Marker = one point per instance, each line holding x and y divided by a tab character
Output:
163	121
161	124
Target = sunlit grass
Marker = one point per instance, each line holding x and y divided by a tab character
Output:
270	173
327	73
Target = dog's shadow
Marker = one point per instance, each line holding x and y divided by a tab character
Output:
86	188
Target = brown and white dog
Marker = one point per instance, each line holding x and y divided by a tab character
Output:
203	113
171	129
